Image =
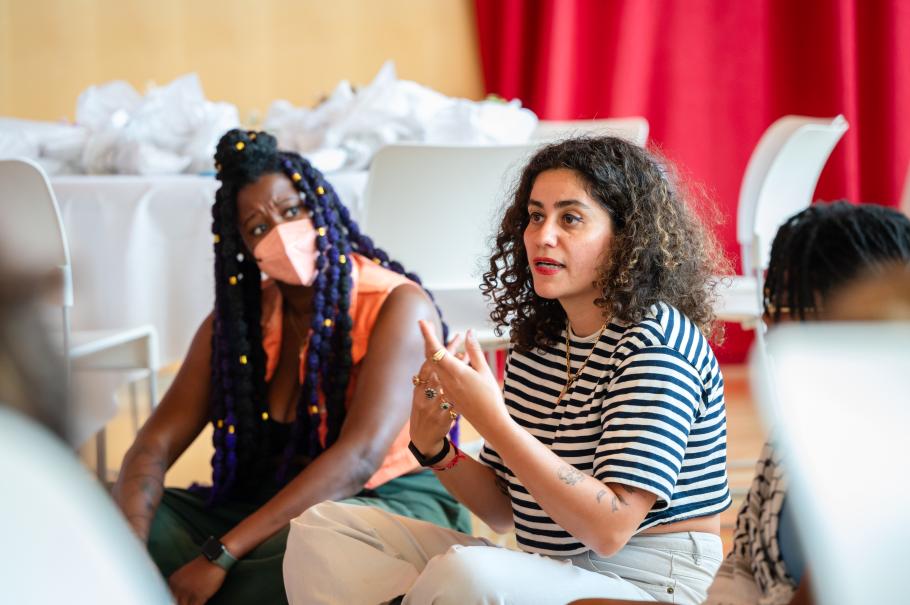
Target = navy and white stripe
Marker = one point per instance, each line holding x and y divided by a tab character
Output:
647	411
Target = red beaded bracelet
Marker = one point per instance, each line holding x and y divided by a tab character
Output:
451	464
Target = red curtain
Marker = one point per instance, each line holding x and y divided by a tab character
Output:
710	76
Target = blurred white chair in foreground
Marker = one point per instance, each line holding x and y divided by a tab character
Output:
435	209
779	181
64	541
634	129
835	397
32	234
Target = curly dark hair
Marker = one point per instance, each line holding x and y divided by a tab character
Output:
661	251
239	403
821	248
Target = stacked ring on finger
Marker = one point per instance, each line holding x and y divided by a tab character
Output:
429	392
438	355
453	415
417	380
445	405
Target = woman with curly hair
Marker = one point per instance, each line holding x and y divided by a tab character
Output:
606	449
303	377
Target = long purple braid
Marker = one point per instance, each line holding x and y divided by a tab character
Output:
363	244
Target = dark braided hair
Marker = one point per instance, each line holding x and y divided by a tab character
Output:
239	395
826	245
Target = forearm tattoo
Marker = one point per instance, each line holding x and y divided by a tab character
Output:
569	474
616	499
140	488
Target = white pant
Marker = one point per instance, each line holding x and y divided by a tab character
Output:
347	554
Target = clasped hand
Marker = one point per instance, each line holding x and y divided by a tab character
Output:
462	383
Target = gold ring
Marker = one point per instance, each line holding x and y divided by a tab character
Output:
417	380
453	415
445	405
438	355
429	393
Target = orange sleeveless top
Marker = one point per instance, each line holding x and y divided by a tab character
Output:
371	285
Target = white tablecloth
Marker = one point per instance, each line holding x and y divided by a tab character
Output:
141	250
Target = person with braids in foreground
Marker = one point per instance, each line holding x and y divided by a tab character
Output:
304	377
606	450
822	259
817	257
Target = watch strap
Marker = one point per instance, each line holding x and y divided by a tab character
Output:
217	553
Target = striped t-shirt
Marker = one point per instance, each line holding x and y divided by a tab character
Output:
646	411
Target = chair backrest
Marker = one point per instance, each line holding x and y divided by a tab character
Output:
780	179
836	399
64	541
436	208
31	232
634	129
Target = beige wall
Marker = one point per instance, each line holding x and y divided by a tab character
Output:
246	52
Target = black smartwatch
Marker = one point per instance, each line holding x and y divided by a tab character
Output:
217	553
423	460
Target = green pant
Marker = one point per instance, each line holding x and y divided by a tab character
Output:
183	522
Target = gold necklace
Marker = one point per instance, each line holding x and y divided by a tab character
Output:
570	378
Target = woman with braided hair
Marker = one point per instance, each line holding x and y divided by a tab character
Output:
816	258
304	377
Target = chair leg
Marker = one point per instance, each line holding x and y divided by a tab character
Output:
101	455
153	390
134	406
152	357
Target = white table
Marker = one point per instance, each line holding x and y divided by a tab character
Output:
141	250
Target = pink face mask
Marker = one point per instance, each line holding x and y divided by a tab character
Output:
288	253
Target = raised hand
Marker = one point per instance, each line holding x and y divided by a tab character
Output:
471	388
431	414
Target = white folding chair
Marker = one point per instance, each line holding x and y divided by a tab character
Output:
435	209
64	541
779	181
33	232
835	397
634	129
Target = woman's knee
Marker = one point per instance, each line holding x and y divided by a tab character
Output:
323	523
464	574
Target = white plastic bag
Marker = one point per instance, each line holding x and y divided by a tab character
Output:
346	130
171	129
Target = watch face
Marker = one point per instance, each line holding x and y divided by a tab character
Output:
212	548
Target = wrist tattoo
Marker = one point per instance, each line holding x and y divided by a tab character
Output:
569	475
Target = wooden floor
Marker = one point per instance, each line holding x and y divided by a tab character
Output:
745	439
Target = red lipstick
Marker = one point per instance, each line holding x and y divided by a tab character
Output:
545	265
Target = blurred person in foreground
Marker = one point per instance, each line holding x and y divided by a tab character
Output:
54	515
832	261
